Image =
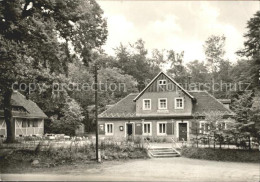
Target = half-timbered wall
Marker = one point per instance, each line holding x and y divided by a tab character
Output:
25	127
2	127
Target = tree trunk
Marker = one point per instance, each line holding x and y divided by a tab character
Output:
197	141
249	143
220	142
214	142
10	127
208	142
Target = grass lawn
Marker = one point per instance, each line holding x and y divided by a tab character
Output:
232	155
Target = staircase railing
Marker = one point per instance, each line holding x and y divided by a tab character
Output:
175	145
147	142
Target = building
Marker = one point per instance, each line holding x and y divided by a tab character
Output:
28	117
162	109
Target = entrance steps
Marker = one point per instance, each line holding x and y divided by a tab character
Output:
159	152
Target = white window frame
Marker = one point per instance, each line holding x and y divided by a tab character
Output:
147	134
163	82
159	103
106	132
158	128
221	124
176	107
204	127
144	104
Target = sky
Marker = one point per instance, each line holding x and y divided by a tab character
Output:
177	25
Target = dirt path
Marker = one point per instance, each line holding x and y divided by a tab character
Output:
165	169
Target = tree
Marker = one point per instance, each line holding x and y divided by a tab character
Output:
195	129
199	74
246	116
242	106
71	118
252	44
177	69
133	61
158	58
215	122
214	51
32	47
251	48
113	85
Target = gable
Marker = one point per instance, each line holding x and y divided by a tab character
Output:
171	85
155	87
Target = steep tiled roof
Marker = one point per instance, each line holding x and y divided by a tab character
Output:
33	110
205	102
124	108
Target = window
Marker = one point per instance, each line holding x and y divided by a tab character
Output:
147	104
147	128
109	128
204	127
35	123
162	104
222	126
161	129
162	82
25	123
179	103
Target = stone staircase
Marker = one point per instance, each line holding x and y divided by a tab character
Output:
160	152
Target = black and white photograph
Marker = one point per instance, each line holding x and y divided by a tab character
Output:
130	90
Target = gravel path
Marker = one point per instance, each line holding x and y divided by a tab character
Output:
156	169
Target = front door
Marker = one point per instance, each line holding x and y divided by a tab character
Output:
182	131
129	129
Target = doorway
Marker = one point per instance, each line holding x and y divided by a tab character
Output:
182	131
129	131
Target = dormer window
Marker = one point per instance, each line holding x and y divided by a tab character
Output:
147	104
179	104
162	82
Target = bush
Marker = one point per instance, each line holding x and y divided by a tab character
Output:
232	155
55	155
137	140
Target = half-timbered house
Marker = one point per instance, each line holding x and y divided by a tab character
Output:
27	117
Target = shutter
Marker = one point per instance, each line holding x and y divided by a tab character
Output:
206	127
101	129
202	126
195	127
170	129
138	128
